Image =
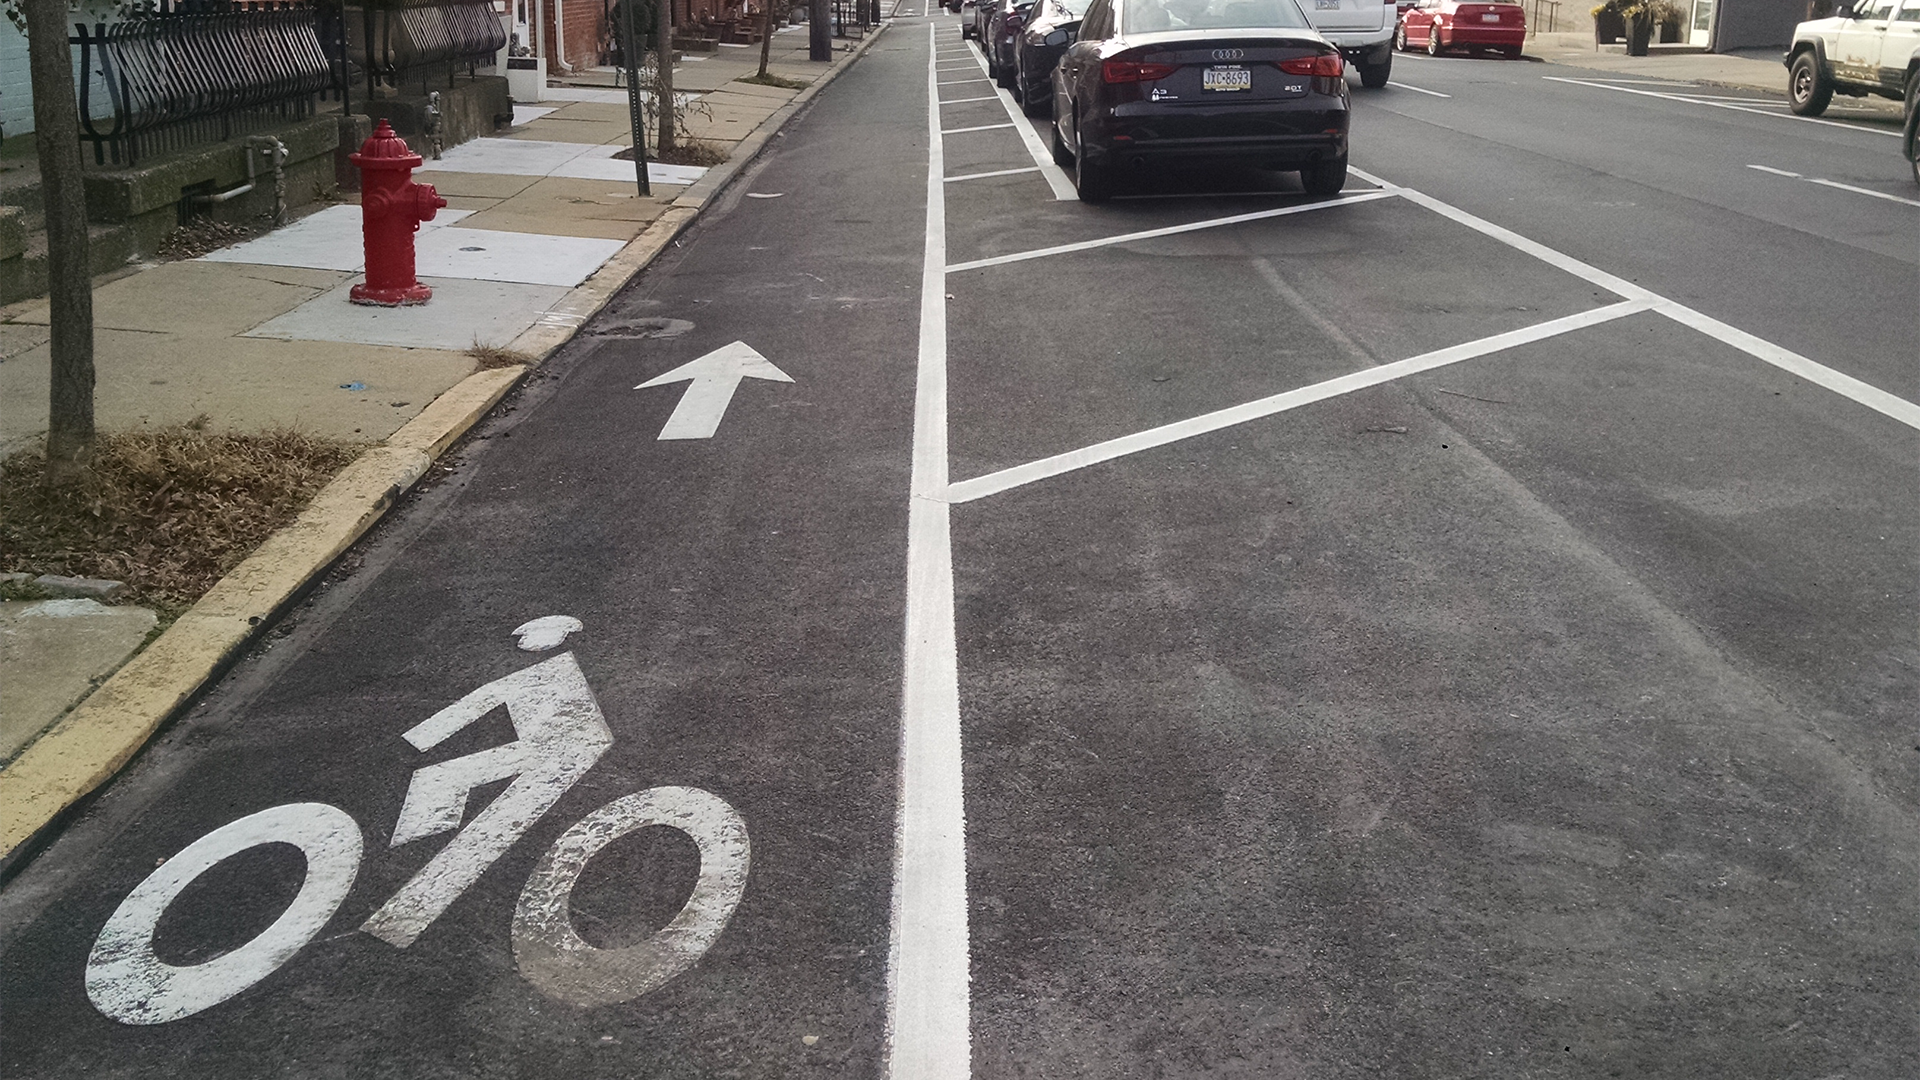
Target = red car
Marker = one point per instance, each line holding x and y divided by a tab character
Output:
1445	25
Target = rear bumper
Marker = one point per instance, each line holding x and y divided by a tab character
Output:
1491	36
1260	151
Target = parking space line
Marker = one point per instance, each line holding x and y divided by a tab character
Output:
928	1022
984	175
982	127
1063	189
965	100
957	82
1857	390
1716	104
1417	90
1835	184
1148	234
1020	475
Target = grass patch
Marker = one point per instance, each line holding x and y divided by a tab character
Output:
770	79
688	152
486	357
168	511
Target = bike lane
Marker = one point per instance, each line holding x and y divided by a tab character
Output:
736	665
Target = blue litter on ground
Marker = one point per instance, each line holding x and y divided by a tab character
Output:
353	386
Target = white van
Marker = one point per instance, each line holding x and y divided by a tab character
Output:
1363	31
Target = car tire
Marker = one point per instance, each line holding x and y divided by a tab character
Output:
1003	76
1400	37
1090	179
1511	52
1808	91
1061	155
1374	76
1034	101
1433	41
1323	178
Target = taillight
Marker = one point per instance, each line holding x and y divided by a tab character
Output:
1124	71
1326	64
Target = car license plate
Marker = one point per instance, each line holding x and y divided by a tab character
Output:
1489	16
1326	5
1226	78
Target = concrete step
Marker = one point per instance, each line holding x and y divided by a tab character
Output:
24	274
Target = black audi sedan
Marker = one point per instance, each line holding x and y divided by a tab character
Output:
1178	82
1038	47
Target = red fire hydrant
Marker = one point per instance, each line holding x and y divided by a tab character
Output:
391	210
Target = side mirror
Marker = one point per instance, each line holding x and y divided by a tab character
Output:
1063	35
1844	11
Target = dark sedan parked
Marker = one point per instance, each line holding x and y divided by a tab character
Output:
1048	32
1003	29
1200	81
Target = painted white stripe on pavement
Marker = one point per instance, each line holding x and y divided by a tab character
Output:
1127	238
984	175
1063	189
957	82
1417	90
1019	475
965	100
1836	184
928	1020
1716	104
981	127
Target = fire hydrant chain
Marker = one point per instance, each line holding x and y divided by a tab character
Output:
392	207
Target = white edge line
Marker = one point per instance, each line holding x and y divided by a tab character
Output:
1418	89
984	175
1716	105
1860	190
1063	189
981	127
928	1021
1149	234
1019	475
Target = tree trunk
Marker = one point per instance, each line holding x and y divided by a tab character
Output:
56	137
820	31
766	36
663	82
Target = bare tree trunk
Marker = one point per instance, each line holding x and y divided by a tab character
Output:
56	137
820	31
766	35
663	82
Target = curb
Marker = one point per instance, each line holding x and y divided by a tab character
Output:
110	726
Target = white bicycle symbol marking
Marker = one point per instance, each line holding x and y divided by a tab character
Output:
560	735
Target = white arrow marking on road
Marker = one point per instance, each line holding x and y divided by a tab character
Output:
715	376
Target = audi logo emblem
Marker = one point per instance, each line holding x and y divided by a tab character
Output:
1229	54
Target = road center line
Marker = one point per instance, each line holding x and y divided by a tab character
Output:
1865	393
928	1021
1716	104
1418	90
1063	189
994	483
984	175
1149	234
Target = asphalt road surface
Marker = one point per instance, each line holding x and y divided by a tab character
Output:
1464	628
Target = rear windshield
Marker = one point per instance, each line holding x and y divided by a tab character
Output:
1146	16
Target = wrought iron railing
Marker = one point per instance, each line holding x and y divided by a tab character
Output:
187	71
393	41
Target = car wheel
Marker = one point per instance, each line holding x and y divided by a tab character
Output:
1808	92
1511	52
1003	76
1090	178
1400	37
1433	41
1061	155
1035	100
1325	177
1374	76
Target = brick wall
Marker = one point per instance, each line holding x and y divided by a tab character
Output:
586	32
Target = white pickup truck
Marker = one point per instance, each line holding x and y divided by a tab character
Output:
1363	32
1871	47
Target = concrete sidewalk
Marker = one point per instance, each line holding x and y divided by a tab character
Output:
544	225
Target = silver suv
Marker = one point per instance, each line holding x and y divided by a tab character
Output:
1363	32
1872	47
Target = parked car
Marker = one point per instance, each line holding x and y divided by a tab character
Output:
1363	32
953	5
968	9
1048	32
1440	25
983	11
1863	49
1910	131
1231	81
1003	29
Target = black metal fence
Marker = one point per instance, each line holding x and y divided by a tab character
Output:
186	71
394	41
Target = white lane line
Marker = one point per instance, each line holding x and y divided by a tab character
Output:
1171	230
1418	90
1865	393
994	483
981	127
1837	184
927	1000
984	175
965	100
1063	189
1716	105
